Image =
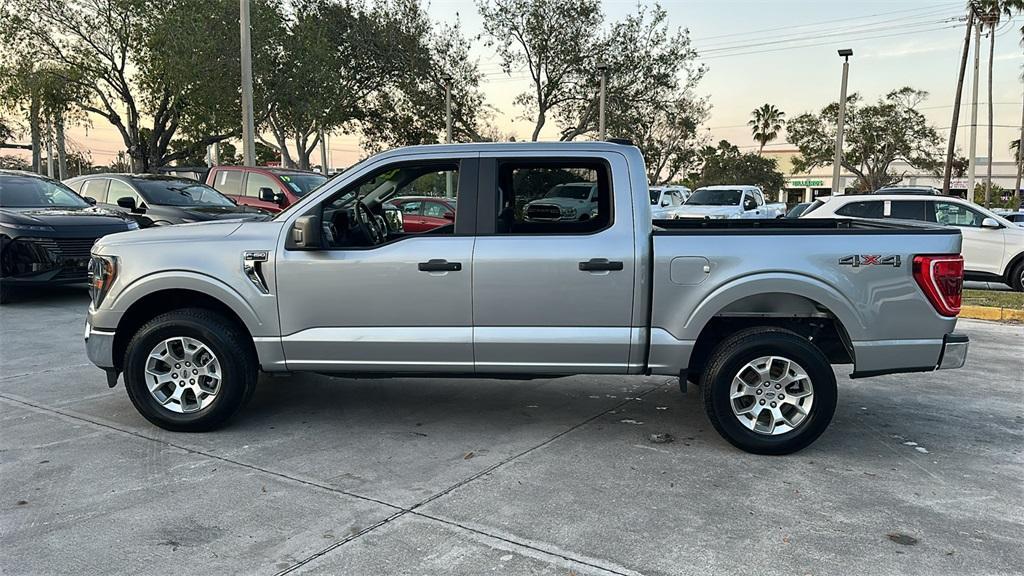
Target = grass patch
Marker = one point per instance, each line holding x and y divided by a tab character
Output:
995	298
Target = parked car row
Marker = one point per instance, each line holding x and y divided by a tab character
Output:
729	202
993	246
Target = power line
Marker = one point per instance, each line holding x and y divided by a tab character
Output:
830	43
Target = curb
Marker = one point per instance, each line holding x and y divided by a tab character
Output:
992	313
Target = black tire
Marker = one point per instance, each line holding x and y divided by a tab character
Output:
732	354
1017	277
226	340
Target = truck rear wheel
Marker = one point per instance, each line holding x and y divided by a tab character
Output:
189	370
769	391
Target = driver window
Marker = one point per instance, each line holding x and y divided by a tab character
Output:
120	190
365	214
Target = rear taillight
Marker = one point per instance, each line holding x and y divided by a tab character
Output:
942	280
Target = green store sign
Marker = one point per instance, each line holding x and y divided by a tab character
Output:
806	183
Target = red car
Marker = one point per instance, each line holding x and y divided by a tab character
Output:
423	213
271	189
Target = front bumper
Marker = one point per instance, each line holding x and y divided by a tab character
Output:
954	351
99	346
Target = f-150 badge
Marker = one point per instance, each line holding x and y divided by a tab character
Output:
858	260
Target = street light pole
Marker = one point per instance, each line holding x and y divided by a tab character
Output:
248	127
837	161
972	155
603	68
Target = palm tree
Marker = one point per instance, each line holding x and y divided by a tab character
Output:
990	12
956	104
765	124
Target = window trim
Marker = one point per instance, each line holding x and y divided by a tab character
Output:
486	210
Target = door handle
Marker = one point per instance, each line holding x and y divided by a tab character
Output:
439	265
600	265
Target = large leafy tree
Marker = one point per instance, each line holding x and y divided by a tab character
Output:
727	164
765	124
152	68
876	136
554	41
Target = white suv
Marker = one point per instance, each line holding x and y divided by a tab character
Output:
993	247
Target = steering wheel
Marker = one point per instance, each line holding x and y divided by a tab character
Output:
367	224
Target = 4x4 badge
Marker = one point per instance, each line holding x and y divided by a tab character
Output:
858	260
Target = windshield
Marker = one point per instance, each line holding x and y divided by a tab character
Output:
301	183
179	192
707	197
571	191
655	194
30	192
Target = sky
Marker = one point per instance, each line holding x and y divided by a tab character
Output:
781	52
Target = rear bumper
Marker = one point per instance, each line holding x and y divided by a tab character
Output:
952	353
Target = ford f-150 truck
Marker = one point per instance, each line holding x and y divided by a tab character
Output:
754	311
721	202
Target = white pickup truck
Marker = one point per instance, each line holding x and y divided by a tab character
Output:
721	202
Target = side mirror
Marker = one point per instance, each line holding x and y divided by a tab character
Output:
449	216
991	223
90	201
127	202
305	234
280	199
267	195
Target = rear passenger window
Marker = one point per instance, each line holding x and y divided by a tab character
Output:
862	209
553	198
95	189
908	210
228	182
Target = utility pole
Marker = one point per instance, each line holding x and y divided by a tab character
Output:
972	158
1020	161
837	161
248	127
324	168
449	184
603	68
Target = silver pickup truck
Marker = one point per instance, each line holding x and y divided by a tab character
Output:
755	312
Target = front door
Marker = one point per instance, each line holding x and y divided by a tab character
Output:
982	247
401	305
553	296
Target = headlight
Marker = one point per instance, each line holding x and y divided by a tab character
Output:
132	225
568	211
716	216
29	227
102	271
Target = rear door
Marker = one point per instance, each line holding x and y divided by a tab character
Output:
982	247
557	296
228	183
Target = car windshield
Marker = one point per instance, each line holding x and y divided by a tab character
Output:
301	183
707	197
179	192
655	194
571	191
31	192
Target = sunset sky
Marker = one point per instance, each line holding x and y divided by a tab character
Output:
778	52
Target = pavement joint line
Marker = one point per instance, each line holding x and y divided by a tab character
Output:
535	548
488	470
46	371
76	416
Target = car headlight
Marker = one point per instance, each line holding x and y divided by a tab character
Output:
102	272
29	227
716	216
132	225
568	211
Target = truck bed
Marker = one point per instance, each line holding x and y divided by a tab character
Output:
796	226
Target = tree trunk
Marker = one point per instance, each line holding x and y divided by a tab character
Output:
62	151
956	105
991	122
540	124
33	122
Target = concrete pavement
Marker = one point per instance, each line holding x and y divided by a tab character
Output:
918	474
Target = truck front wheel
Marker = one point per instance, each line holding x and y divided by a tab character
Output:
189	370
769	391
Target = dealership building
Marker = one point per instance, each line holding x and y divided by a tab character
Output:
806	186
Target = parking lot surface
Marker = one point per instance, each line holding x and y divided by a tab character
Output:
918	474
